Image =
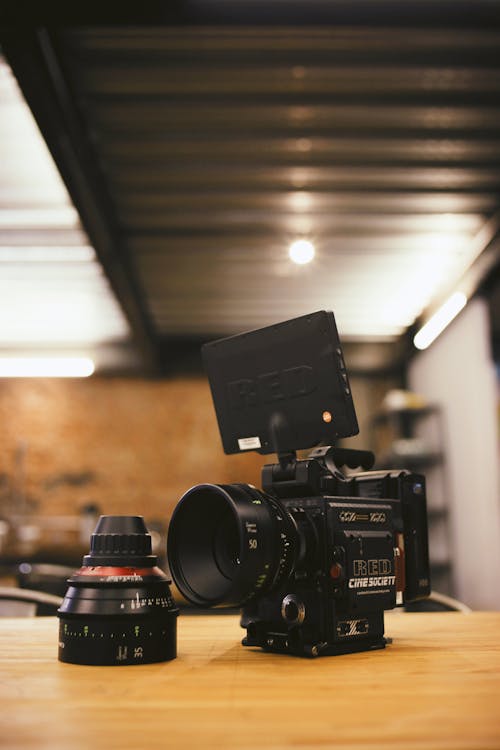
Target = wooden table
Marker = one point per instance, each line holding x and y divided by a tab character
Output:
437	686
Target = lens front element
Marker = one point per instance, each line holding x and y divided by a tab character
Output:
227	543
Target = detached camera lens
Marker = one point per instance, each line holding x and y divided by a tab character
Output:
118	608
227	543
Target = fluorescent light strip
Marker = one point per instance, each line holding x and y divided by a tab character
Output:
46	367
61	217
443	317
51	254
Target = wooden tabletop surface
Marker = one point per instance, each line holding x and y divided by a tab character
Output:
437	686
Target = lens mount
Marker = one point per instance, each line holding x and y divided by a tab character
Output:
227	543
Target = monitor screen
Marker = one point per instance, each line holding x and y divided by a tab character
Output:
281	388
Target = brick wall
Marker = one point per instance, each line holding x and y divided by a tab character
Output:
132	446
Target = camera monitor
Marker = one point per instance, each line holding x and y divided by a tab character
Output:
281	388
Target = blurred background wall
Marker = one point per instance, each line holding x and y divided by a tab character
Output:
130	445
458	372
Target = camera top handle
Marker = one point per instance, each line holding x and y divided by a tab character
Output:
334	458
291	477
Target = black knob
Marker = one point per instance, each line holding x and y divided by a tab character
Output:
120	540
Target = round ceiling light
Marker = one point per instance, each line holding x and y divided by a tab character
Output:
301	252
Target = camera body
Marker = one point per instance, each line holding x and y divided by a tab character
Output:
317	555
366	540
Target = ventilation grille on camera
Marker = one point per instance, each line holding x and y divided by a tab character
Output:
374	489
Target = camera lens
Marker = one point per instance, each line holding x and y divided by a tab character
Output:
118	608
227	543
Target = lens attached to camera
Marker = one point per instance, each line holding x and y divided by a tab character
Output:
227	543
118	608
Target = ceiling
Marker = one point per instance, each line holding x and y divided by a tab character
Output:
195	152
53	292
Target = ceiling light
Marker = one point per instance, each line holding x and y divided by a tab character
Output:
300	201
301	252
303	144
46	367
41	254
22	218
53	291
436	325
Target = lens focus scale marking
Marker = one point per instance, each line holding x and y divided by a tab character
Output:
115	643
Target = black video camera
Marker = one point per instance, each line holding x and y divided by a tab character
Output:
317	555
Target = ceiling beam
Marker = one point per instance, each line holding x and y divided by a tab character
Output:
466	14
35	64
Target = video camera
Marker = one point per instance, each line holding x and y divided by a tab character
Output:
317	555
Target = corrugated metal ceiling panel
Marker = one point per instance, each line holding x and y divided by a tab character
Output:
220	146
200	153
